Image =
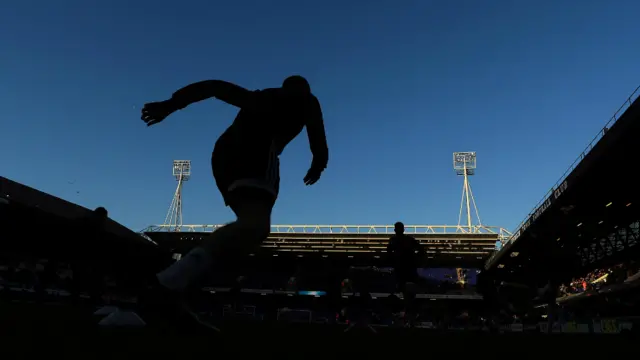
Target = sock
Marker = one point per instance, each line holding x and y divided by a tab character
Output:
181	274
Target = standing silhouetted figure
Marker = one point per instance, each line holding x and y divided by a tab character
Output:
88	271
405	254
245	164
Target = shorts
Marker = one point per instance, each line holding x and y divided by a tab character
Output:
246	168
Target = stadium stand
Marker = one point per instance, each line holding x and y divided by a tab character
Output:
46	243
583	236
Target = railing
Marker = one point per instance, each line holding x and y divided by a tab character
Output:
501	233
584	153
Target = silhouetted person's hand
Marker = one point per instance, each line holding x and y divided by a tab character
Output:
155	112
313	175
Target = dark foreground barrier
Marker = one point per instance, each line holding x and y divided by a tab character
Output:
34	329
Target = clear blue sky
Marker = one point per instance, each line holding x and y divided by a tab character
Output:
525	84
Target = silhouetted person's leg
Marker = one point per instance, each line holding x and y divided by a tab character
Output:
224	247
248	180
401	283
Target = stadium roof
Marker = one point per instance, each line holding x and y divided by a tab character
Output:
589	218
36	222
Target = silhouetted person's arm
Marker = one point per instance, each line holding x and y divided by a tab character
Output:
417	247
391	248
230	93
317	141
155	112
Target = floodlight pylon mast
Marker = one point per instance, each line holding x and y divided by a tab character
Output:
464	163
182	174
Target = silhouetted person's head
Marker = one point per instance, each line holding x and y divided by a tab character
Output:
95	220
399	228
296	85
101	212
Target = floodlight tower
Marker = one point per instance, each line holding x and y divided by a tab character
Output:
464	163
182	173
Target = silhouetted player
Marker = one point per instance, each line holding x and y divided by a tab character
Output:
405	253
245	165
